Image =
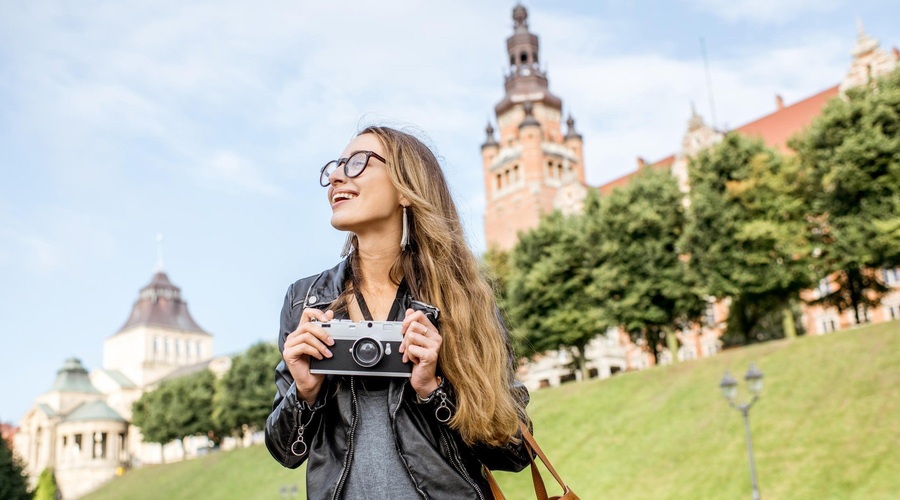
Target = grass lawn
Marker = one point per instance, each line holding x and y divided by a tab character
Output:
827	426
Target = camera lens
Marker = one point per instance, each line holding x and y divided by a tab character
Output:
366	352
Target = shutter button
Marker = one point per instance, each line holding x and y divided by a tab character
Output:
312	300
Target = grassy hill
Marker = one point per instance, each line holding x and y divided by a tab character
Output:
827	426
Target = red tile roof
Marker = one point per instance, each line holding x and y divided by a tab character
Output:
623	181
775	129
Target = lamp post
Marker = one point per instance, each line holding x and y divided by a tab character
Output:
753	377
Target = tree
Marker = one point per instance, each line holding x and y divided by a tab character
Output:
852	155
13	482
176	409
748	232
47	488
191	404
244	394
646	286
498	268
550	271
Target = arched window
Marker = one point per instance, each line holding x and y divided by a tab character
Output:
523	57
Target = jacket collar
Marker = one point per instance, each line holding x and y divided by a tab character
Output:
328	285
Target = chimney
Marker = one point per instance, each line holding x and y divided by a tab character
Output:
779	102
641	162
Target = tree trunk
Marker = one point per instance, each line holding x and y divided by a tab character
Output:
853	286
672	344
652	337
581	361
790	329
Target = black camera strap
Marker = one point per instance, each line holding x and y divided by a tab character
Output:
361	302
398	299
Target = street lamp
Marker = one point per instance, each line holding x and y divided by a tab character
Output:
753	377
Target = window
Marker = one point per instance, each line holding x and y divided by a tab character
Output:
824	288
826	323
99	448
891	277
120	454
709	315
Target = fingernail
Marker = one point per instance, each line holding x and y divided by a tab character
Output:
328	352
330	341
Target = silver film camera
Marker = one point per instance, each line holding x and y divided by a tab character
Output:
364	348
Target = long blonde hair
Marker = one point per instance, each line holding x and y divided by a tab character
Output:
440	269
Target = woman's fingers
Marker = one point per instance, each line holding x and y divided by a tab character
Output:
311	313
423	336
309	338
421	355
306	344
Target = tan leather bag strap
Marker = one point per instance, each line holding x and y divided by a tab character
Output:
537	449
540	490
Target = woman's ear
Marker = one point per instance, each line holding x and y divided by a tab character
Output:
404	202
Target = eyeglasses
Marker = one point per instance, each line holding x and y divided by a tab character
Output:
353	166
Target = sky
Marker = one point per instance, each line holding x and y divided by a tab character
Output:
208	122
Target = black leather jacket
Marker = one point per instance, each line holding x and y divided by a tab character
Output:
440	464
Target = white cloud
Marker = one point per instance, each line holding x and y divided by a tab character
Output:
639	104
228	170
764	11
52	240
34	252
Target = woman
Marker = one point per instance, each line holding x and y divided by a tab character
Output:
374	437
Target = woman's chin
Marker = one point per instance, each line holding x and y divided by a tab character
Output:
341	225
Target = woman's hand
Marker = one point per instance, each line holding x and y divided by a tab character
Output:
421	345
309	339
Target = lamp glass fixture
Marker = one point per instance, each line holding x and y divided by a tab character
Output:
754	378
728	386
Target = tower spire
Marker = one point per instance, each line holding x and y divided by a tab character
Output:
159	252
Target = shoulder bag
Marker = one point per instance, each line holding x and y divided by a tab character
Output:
539	489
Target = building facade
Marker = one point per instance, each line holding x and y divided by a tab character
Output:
533	169
80	427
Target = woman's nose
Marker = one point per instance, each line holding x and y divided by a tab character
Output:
337	175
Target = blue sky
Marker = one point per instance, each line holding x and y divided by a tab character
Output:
208	122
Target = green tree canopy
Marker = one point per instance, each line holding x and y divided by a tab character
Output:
851	154
748	233
177	408
645	285
550	269
244	394
46	489
13	482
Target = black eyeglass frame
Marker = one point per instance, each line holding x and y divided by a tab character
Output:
325	182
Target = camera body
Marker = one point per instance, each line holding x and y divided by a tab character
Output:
364	348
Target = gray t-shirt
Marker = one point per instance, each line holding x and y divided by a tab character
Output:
376	471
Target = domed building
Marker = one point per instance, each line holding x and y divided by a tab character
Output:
72	430
80	427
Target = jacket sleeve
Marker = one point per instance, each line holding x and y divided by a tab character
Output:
292	422
513	456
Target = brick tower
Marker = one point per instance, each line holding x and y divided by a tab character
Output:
533	169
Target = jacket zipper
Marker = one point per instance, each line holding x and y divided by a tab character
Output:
394	431
349	457
457	462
